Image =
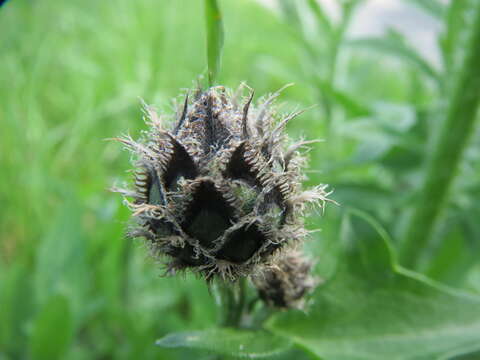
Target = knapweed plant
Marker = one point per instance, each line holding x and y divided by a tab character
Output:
218	191
223	203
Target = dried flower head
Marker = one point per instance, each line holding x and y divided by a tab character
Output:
220	192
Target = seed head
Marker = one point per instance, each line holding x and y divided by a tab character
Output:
220	192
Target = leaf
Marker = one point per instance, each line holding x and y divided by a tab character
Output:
16	302
227	341
353	106
451	260
402	158
52	330
466	356
365	195
289	11
214	29
473	278
61	264
455	249
321	16
374	309
395	45
389	136
373	149
394	118
433	7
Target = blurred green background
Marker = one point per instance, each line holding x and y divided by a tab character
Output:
72	73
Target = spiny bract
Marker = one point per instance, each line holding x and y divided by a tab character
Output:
220	192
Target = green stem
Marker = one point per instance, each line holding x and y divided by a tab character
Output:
214	35
232	300
447	153
242	299
264	313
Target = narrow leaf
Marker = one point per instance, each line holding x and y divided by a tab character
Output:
432	7
353	106
214	32
395	45
227	341
321	16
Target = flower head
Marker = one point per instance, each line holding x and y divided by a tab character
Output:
220	191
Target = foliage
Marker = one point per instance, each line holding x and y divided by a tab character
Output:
71	287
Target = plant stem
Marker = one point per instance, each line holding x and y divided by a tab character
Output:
447	153
232	300
214	35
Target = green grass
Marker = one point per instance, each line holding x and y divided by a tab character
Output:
72	73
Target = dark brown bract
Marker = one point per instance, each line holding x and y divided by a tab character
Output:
220	191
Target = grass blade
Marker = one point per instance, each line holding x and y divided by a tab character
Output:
214	31
447	153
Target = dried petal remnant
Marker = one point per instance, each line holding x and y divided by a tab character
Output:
220	193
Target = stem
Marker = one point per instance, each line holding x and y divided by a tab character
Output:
242	299
447	153
262	315
232	301
214	35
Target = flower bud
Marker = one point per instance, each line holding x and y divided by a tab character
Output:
285	282
220	191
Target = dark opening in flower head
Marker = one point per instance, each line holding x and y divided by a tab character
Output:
220	192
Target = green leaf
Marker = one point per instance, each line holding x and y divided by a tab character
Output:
16	302
321	16
290	12
433	7
365	195
395	45
61	264
453	257
52	330
466	356
374	309
214	30
352	105
402	158
227	341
